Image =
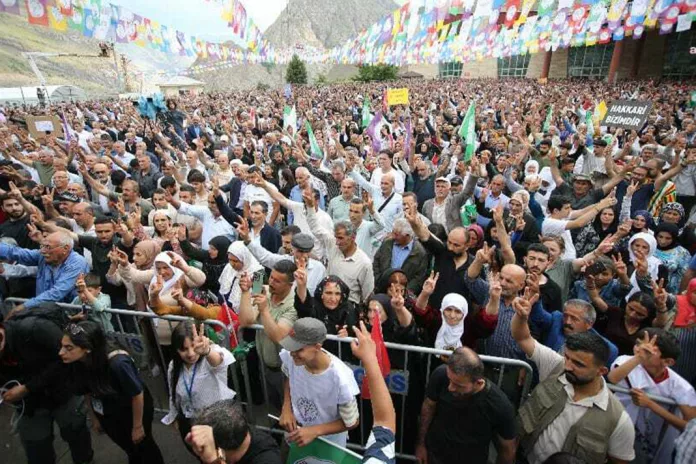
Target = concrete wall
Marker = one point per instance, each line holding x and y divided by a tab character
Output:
651	59
484	68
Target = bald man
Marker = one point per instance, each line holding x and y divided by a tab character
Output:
304	182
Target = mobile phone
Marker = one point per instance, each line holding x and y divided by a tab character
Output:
257	285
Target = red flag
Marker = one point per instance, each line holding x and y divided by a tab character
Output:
37	12
231	321
382	356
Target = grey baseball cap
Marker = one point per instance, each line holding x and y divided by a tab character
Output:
303	242
305	331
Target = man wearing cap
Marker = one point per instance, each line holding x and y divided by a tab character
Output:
302	246
319	389
592	162
582	192
435	208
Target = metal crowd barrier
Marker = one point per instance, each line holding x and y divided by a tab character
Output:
397	381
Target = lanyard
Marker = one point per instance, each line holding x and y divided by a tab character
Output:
189	386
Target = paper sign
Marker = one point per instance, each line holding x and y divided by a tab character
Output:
397	96
39	125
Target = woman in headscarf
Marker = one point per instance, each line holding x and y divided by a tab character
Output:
214	260
169	276
531	168
519	209
397	322
144	254
673	213
240	261
393	280
454	310
329	304
674	257
642	265
590	236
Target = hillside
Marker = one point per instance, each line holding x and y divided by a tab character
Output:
97	76
325	23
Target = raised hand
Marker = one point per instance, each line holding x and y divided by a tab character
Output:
301	273
632	187
624	228
646	347
243	230
156	286
485	254
430	283
607	244
494	286
308	198
363	347
177	261
619	265
660	293
201	343
397	300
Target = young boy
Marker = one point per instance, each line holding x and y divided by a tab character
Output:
606	284
648	372
319	390
89	294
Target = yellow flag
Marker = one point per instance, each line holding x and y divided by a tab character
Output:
56	19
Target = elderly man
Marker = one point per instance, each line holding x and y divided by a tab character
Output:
146	175
387	200
58	268
43	164
578	316
304	182
494	197
424	181
402	251
345	259
339	206
445	208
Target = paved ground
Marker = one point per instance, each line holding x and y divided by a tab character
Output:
106	452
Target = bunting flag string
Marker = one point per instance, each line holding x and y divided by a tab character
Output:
443	31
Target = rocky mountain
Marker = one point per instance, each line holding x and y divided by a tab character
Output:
325	23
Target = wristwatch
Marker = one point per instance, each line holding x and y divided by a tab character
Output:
220	458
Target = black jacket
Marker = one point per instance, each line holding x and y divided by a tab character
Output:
31	357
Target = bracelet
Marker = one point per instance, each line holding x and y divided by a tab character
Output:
210	348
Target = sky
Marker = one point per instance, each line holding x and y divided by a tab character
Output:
202	18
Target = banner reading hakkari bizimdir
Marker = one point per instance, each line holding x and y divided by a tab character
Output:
628	114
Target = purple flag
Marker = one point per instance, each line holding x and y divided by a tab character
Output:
372	131
10	7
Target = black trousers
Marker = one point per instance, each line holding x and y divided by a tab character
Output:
119	427
36	432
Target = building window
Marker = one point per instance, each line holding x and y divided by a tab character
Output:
450	70
679	62
513	66
590	61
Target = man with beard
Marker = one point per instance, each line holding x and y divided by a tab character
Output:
17	219
463	413
572	408
535	262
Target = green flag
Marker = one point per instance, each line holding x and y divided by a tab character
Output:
366	113
314	149
290	118
321	451
467	131
547	121
692	103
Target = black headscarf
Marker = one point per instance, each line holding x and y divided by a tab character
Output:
671	229
344	312
221	244
601	232
388	326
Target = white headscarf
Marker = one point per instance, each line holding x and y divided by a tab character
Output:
653	262
229	279
450	337
531	164
168	284
547	177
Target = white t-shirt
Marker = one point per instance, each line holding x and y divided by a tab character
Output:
316	397
648	424
253	193
557	227
399	181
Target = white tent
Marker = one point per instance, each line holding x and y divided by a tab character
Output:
28	95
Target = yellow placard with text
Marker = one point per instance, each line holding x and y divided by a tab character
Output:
397	96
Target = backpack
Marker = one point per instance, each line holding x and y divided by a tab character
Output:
49	311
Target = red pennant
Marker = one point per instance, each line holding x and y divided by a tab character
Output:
382	355
231	321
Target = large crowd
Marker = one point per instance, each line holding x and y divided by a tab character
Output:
567	246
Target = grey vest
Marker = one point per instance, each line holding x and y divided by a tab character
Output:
587	439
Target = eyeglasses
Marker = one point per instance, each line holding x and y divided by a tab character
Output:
46	246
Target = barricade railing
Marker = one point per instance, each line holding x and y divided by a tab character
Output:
397	381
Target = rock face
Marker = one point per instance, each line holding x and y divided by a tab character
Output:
325	23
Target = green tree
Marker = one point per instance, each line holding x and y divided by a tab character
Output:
297	71
321	79
379	72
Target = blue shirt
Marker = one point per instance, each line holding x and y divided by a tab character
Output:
296	195
552	323
612	293
399	254
53	283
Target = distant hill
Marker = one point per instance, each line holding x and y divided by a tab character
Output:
325	23
97	76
